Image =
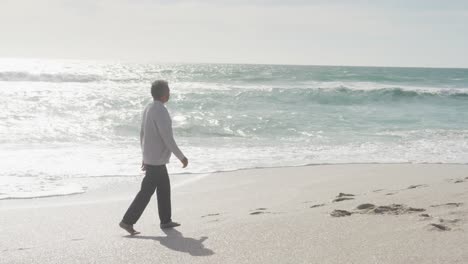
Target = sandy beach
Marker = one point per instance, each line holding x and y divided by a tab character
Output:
369	213
314	132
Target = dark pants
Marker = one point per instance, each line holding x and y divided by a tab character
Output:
156	178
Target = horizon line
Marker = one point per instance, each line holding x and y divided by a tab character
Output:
143	61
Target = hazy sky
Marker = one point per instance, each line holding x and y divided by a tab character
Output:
430	33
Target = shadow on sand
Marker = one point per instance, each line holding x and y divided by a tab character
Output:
176	241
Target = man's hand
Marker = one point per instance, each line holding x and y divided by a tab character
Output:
184	162
143	166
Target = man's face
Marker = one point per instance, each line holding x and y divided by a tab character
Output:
165	98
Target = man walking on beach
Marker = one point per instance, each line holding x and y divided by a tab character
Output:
157	144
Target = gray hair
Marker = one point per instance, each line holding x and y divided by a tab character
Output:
159	88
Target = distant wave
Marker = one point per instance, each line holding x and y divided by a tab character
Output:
346	94
19	76
322	87
12	76
395	92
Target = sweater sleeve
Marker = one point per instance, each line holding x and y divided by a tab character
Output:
164	124
142	128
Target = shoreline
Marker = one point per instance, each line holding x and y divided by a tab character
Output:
138	177
409	214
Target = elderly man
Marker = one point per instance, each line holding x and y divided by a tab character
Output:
157	144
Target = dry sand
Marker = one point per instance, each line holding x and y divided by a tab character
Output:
316	214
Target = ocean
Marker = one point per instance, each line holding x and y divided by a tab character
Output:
65	125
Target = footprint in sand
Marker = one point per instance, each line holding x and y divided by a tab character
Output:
21	248
394	209
365	206
259	211
408	188
456	180
389	192
340	213
343	197
399	209
445	224
448	205
439	227
317	205
416	186
207	215
426	216
449	221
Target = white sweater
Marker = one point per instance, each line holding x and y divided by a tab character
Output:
156	138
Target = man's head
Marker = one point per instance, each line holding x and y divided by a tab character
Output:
160	91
